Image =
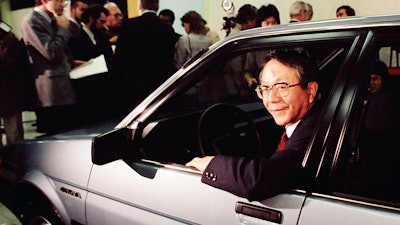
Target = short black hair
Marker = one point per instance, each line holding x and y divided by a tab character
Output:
93	11
379	68
306	67
246	12
168	12
266	11
349	11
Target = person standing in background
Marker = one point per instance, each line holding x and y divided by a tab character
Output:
90	42
76	9
114	21
247	16
46	35
345	11
195	40
298	12
143	56
10	88
309	11
168	16
266	16
234	68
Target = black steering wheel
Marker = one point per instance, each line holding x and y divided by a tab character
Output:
226	129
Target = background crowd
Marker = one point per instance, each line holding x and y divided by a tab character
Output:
140	54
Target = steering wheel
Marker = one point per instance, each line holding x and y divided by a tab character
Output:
226	129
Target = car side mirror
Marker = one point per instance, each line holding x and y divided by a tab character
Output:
111	146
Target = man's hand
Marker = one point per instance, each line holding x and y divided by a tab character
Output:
62	21
77	63
200	163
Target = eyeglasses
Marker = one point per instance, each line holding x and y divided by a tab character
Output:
118	15
281	89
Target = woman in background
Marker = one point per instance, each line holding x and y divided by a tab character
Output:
196	40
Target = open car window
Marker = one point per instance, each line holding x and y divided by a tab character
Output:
172	133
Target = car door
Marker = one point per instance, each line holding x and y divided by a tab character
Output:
359	180
153	186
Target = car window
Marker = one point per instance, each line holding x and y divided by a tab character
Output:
373	168
171	134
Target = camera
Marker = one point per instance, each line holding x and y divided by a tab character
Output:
230	22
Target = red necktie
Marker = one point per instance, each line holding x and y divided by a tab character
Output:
283	141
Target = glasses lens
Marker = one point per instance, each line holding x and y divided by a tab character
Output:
283	89
259	92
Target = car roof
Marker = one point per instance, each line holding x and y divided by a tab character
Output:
308	26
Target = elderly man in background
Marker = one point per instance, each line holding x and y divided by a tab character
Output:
114	21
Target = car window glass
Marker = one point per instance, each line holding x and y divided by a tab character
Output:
374	165
171	133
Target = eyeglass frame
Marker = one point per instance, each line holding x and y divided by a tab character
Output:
259	89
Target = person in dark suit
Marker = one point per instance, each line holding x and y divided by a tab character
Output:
143	56
76	10
288	89
45	34
11	88
90	42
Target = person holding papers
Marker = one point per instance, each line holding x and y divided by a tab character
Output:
91	44
91	40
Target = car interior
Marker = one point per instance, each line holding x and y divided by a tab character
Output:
206	118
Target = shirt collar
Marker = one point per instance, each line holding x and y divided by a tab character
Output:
44	14
290	128
149	11
90	34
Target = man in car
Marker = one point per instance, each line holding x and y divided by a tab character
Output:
288	89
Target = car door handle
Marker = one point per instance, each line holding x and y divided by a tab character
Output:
258	212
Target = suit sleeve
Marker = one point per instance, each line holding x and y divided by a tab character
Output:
261	178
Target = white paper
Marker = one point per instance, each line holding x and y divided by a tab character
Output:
92	67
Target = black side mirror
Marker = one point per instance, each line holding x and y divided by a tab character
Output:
111	146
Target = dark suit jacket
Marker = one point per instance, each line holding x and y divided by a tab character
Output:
82	47
143	56
260	178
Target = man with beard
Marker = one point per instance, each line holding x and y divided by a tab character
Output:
90	42
76	10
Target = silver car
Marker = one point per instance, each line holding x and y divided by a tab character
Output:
132	171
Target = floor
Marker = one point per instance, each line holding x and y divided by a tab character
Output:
29	119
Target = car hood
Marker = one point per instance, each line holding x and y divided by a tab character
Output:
65	157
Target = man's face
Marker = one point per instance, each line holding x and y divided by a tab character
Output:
292	107
115	17
375	83
56	7
76	12
248	24
341	13
100	23
269	21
